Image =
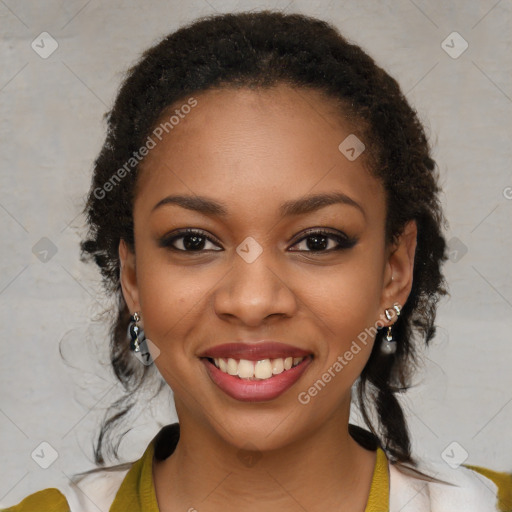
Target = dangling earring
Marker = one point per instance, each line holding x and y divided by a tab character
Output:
135	333
389	345
139	344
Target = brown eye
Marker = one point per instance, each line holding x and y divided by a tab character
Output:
189	241
324	241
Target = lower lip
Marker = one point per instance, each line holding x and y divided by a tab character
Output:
256	390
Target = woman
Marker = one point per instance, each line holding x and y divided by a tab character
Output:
265	209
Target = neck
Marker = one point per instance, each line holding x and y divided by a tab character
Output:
323	469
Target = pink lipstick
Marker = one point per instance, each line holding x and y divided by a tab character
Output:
255	372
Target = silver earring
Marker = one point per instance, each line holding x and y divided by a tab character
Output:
139	344
135	333
389	345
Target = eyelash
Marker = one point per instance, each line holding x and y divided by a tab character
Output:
343	241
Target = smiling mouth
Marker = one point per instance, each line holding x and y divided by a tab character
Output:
262	369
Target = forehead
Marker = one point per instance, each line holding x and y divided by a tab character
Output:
254	145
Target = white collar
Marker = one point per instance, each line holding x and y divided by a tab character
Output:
469	492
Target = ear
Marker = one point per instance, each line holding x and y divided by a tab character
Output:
399	267
128	277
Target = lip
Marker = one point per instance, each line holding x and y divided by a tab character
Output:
256	390
255	351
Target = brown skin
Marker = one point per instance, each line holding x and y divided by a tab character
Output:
252	150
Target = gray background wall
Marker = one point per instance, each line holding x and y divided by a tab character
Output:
51	129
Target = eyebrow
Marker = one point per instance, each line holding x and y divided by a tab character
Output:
300	206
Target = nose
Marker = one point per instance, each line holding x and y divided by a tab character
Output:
251	293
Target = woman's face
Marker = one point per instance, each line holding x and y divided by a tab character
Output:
287	245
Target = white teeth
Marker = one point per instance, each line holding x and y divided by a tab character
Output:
262	369
222	365
277	366
256	370
232	367
245	369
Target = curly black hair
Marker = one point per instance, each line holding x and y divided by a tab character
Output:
261	50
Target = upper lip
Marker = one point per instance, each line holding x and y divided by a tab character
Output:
254	351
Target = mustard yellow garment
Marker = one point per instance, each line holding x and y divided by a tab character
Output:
48	500
137	493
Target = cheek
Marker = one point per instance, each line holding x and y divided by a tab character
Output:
348	294
170	298
345	303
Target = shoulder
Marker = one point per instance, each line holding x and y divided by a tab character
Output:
503	482
93	492
439	488
47	500
100	489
